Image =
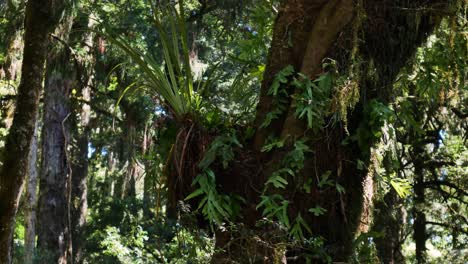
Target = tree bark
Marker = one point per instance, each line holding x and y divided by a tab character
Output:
126	183
82	132
41	18
13	62
149	182
14	11
388	220
305	33
31	203
109	184
419	225
54	237
418	155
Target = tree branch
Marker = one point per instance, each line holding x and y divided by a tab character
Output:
459	113
448	226
438	163
444	183
98	109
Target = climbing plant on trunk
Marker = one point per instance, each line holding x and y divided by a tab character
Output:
322	104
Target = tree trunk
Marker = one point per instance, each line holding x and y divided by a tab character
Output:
108	189
149	182
388	220
79	183
305	33
31	203
418	156
126	183
82	132
14	11
54	234
13	62
41	18
419	225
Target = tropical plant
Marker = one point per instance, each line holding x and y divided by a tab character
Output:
171	79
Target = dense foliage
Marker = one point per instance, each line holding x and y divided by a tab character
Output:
161	123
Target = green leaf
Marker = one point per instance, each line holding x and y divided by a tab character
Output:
307	186
270	116
280	78
264	201
297	228
340	189
277	181
274	143
401	186
194	194
361	165
317	211
284	210
324	180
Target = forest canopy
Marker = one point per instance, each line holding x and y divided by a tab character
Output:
233	131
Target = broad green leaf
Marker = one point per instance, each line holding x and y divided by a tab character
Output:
194	194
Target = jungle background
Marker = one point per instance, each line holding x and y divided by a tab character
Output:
222	131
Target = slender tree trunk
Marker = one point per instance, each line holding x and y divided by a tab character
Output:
31	203
12	40
79	184
54	212
126	182
151	168
41	18
147	181
388	220
132	169
418	156
109	188
419	225
13	61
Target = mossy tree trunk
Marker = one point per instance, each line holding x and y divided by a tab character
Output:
370	41
31	203
12	39
41	18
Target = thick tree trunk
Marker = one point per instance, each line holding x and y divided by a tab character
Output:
82	132
54	212
31	203
305	33
41	17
